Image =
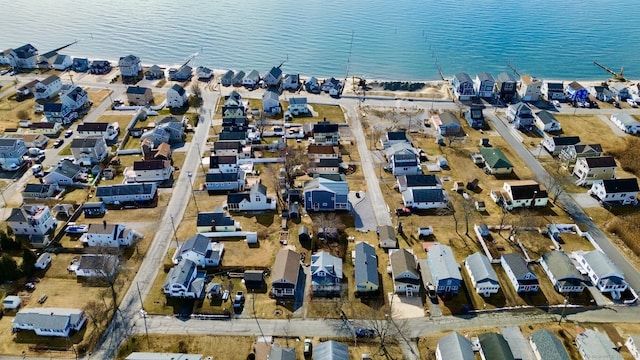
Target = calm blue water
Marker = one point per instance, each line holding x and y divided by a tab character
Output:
387	39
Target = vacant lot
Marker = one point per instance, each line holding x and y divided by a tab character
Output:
592	130
237	347
10	108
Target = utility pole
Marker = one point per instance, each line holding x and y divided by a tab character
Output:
144	316
566	300
199	157
193	194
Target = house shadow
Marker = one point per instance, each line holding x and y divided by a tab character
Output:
459	304
179	111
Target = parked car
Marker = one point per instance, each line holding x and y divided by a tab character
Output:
58	143
68	133
308	347
239	299
225	295
365	333
403	211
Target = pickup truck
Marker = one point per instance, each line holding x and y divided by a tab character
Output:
238	301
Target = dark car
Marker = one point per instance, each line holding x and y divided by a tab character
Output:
365	333
238	301
58	143
403	211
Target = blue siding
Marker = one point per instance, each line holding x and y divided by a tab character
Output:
320	197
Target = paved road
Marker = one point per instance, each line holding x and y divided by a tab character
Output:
122	324
567	203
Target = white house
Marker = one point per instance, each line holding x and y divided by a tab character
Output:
403	159
590	169
74	97
109	131
463	86
65	173
530	88
326	133
130	65
107	235
36	219
90	150
425	198
447	124
252	79
177	97
316	152
595	345
127	193
148	171
633	345
391	138
556	144
273	77
545	121
201	250
602	272
24	57
62	62
626	123
49	321
526	193
48	87
483	85
97	266
284	275
291	82
184	281
482	275
616	191
563	274
298	106
271	102
11	153
518	272
406	278
255	199
204	73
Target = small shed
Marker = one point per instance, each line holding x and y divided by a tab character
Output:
387	237
11	302
94	209
294	210
254	280
443	163
480	206
214	291
252	238
304	236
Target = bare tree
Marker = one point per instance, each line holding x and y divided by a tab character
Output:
328	223
22	115
196	95
96	312
386	325
295	163
467	206
555	184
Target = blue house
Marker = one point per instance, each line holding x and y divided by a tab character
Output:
57	112
366	268
444	270
322	194
474	117
576	92
80	64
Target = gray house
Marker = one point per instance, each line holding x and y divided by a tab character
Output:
444	270
90	150
273	77
518	272
594	345
520	115
494	347
547	346
482	275
271	102
222	181
331	350
563	274
66	173
127	193
227	78
506	86
454	347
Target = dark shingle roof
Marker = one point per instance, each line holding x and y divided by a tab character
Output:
325	127
549	346
148	165
197	243
217	217
126	189
601	162
526	190
94	126
620	185
427	195
88	142
518	266
179	89
495	347
421	180
566	140
221	177
137	90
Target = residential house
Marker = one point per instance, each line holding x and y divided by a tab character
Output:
203	73
494	346
48	88
45	61
154	72
405	182
312	86
366	269
619	91
454	347
182	74
284	275
547	346
525	193
495	162
254	280
601	92
255	199
163	356
387	237
11	152
39	191
519	273
273	77
177	97
553	90
572	153
148	171
576	92
127	193
252	79
406	279
332	86
594	345
237	78
291	82
530	88
155	137
563	274
271	102
326	274
331	350
161	152
506	86
130	66
474	117
590	169
446	124
602	272
74	97
30	140
231	135
322	194
35	219
56	322
444	270
425	198
138	95
25	57
554	145
100	267
227	148
391	138
51	129
317	152
626	123
216	221
277	352
200	250
545	121
324	166
234	107
227	78
89	150
100	67
481	273
107	235
62	62
633	345
326	133
59	113
94	209
521	115
403	160
463	87
483	85
65	173
184	281
109	131
616	191
224	163
174	126
298	106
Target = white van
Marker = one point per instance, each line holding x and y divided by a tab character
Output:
36	169
43	261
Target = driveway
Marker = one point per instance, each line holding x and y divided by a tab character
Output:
405	307
362	210
585	200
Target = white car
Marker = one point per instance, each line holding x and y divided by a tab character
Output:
556	103
632	103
